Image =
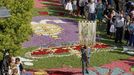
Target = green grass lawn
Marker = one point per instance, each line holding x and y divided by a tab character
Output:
101	58
97	59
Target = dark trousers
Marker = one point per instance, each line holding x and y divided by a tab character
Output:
118	35
91	16
82	10
131	40
84	67
108	27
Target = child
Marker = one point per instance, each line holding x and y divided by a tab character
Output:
74	7
19	66
11	65
112	27
91	10
69	7
98	38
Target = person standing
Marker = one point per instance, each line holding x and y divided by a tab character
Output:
104	2
131	31
91	10
69	7
126	31
119	25
74	3
107	16
19	66
112	29
5	62
78	8
100	8
88	54
82	4
84	60
63	2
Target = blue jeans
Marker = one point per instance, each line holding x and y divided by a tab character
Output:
131	40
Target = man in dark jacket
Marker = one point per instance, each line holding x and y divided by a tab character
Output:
84	59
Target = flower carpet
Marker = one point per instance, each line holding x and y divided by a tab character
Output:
62	49
60	40
65	51
63	31
38	4
58	50
67	27
49	7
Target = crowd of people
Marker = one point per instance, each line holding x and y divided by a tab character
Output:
16	67
117	14
11	65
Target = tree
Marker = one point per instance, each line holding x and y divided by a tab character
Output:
15	29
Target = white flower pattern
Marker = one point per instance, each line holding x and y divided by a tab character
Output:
43	28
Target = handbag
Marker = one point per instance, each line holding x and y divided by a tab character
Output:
112	29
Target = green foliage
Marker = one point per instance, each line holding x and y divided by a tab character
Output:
15	29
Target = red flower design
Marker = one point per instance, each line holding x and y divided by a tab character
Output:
61	50
78	47
43	13
100	45
40	52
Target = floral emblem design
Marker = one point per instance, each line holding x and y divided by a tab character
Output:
43	28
